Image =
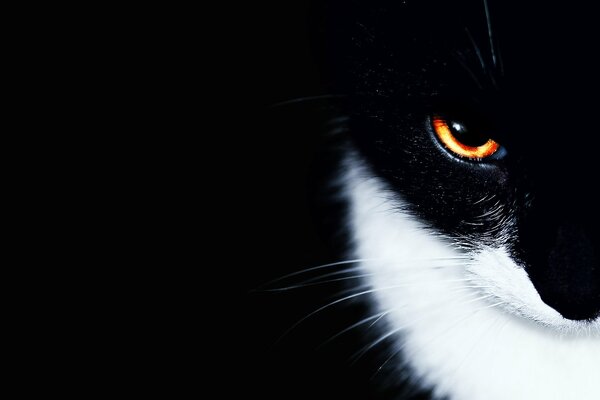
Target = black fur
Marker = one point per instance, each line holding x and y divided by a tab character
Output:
527	85
530	86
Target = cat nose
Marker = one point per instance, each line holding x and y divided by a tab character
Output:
559	237
563	267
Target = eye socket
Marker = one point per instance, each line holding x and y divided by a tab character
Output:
459	140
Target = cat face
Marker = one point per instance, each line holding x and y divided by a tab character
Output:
410	66
470	183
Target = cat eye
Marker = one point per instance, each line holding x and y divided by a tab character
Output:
461	141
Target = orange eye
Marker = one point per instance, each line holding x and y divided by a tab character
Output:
458	140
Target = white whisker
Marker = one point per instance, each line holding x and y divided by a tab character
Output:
377	317
355	295
401	348
356	356
346	298
476	343
315	281
477	51
319	267
432	264
489	26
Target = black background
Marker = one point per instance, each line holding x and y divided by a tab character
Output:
280	233
280	143
280	153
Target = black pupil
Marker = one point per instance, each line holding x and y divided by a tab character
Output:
468	137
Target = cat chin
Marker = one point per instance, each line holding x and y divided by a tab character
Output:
470	325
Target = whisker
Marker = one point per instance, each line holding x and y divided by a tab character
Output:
489	26
359	260
394	354
330	274
401	268
377	317
497	348
305	285
475	343
413	283
405	284
442	334
476	287
477	49
353	296
458	56
319	267
305	99
377	320
317	280
500	62
356	356
331	304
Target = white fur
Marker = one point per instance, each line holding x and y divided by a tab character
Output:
470	324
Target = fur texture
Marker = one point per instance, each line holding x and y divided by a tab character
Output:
469	323
479	277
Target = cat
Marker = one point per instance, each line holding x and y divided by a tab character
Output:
462	184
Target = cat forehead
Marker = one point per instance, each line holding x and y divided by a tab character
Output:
502	55
528	69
